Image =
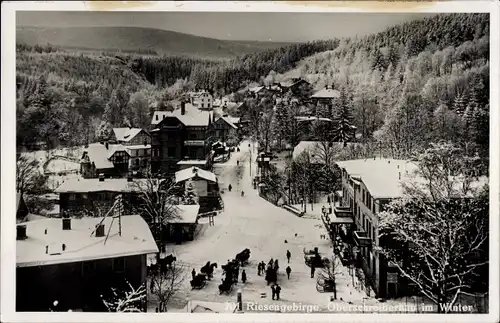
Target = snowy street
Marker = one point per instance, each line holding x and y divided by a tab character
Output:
251	222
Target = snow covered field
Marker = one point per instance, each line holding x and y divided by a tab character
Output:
251	222
58	164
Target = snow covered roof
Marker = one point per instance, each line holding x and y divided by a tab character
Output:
80	245
303	119
192	172
192	117
186	214
114	148
85	185
192	162
126	134
98	154
230	121
314	149
380	176
326	93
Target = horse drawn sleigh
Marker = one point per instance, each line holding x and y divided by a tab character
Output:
206	273
313	258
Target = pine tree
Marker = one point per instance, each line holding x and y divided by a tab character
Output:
190	196
392	56
377	59
459	104
343	127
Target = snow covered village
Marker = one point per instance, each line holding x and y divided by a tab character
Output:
338	174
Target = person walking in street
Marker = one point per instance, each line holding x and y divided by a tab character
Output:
288	271
312	270
237	163
277	289
193	273
243	276
230	187
259	266
273	291
242	193
288	255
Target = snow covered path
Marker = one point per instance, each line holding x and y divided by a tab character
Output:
251	222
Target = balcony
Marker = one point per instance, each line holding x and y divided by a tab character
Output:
342	211
361	239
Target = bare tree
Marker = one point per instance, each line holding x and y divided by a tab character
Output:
158	201
164	285
327	278
437	234
127	301
29	179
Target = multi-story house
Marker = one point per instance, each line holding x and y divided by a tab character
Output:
138	144
224	127
296	85
203	100
368	186
179	136
75	261
112	160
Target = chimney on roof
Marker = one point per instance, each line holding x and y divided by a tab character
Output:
66	224
107	145
21	232
183	108
101	177
99	231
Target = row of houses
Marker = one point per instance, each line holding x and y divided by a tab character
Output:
176	140
93	250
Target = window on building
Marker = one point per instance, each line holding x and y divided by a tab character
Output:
72	197
171	151
192	153
193	136
202	105
137	162
119	264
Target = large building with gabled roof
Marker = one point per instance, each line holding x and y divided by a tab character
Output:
179	135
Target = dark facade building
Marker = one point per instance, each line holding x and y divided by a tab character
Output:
224	128
179	135
75	261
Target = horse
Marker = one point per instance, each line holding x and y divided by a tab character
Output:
243	256
166	263
208	269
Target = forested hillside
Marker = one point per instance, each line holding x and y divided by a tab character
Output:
139	40
415	82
